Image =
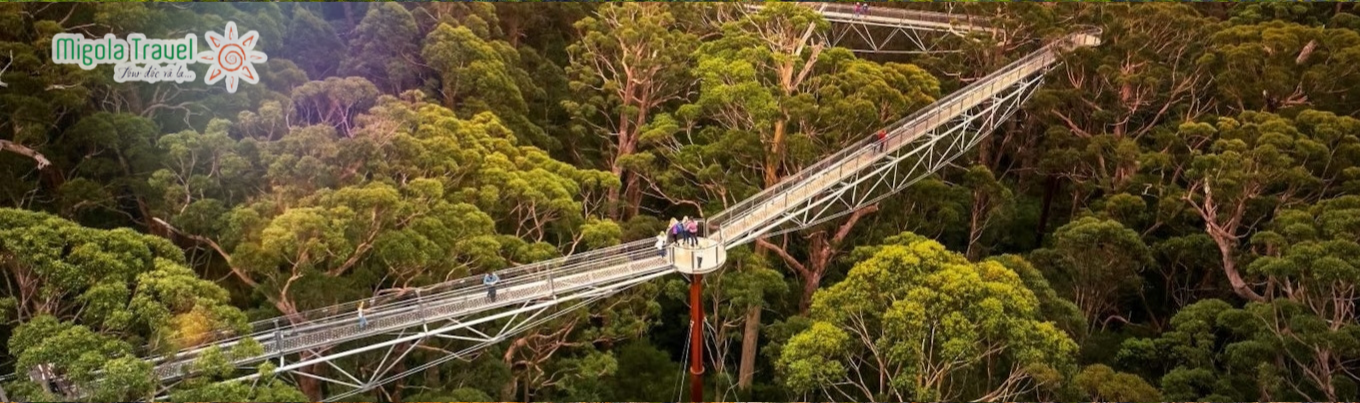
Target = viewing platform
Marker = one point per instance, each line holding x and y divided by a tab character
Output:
705	257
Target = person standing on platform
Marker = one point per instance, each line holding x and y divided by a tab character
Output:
684	231
674	230
693	229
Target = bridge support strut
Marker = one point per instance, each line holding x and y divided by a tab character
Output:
696	339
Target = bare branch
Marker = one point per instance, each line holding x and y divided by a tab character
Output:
25	151
240	274
2	70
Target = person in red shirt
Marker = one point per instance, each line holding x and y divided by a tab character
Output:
882	137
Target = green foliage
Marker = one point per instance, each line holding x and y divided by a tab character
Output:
336	101
1104	384
312	44
631	60
383	49
1261	161
456	395
478	76
906	311
1192	179
1277	65
1052	307
1095	263
91	298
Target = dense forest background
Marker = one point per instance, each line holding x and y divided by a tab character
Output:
1175	215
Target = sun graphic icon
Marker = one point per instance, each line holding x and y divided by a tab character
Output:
232	57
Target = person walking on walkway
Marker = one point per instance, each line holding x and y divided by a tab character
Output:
661	244
490	280
881	139
363	322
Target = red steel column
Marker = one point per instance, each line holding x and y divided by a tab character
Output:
696	343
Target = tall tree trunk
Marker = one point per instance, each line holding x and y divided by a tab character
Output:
310	386
977	222
751	333
775	158
349	16
632	194
749	337
1239	286
1224	234
625	148
810	285
1050	187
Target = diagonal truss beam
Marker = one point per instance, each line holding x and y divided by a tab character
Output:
886	30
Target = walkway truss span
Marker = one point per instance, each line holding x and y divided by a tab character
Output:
456	319
891	30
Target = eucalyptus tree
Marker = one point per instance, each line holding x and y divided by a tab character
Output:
1100	382
1253	165
87	303
1311	254
478	75
1277	65
1097	263
1144	76
632	60
306	217
916	321
312	44
768	89
384	48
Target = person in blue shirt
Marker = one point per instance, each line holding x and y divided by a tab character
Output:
684	231
490	280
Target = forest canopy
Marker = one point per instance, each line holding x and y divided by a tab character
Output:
1173	214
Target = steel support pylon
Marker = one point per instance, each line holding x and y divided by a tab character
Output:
696	339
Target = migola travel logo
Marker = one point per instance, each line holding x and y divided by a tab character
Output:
136	58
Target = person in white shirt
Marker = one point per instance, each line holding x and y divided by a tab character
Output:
363	322
661	244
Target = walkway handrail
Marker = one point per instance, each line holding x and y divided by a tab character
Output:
264	330
967	23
